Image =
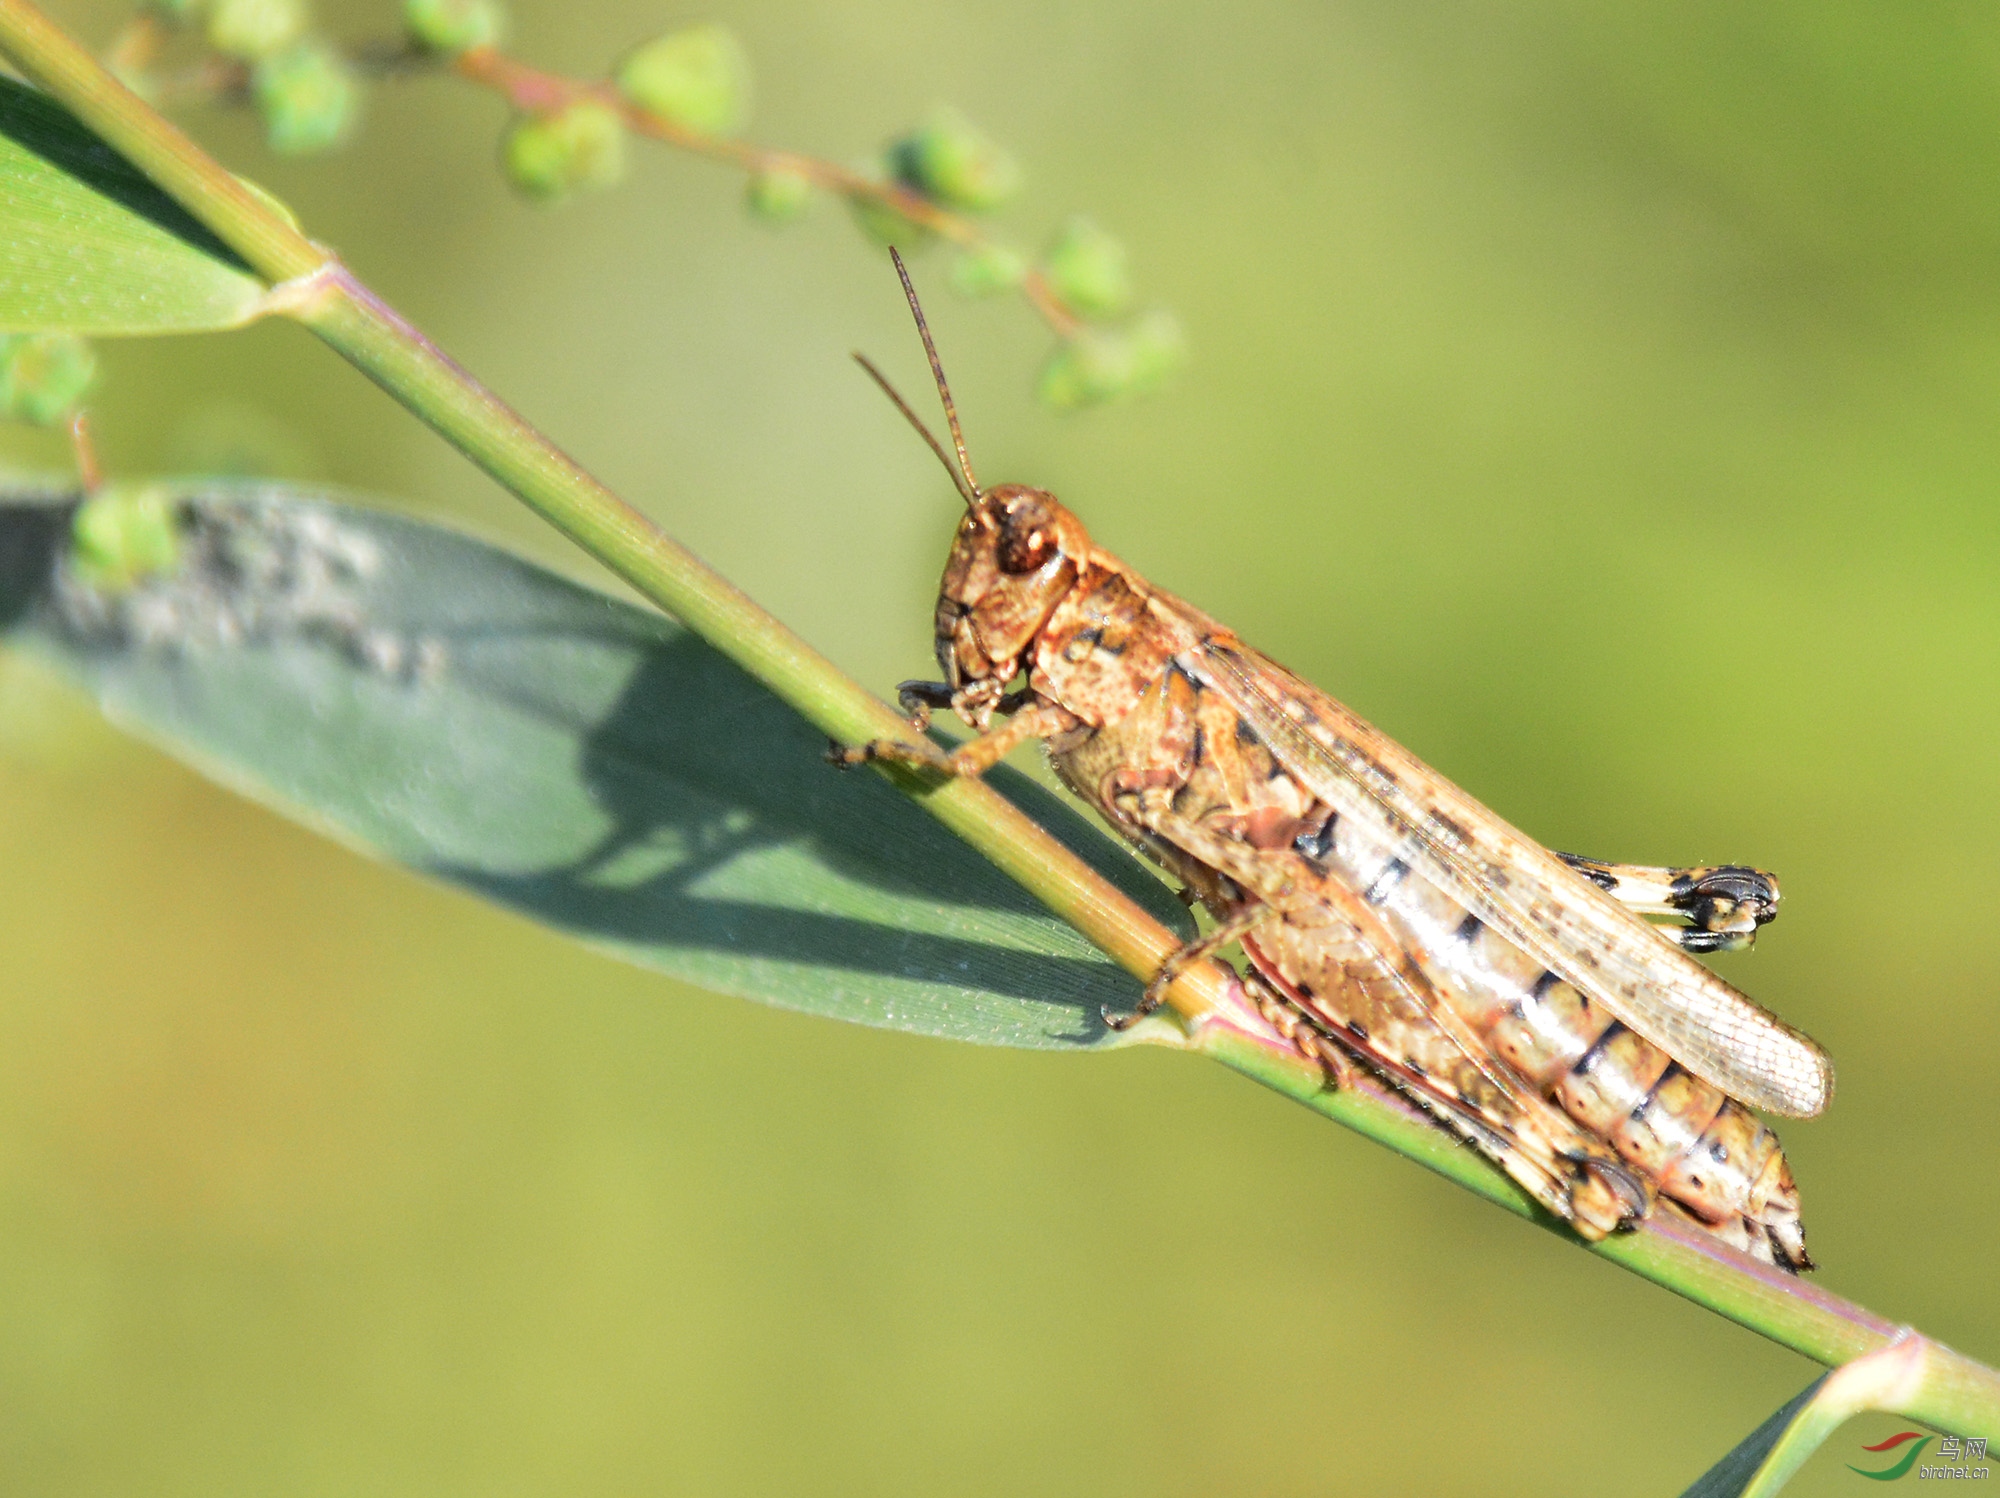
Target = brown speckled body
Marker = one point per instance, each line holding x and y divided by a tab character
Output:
1388	917
1360	951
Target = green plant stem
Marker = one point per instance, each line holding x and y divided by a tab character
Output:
320	292
1957	1394
1912	1370
406	364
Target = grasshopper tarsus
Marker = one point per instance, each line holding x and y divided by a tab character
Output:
1123	1022
1696	939
923	754
970	760
1724	904
1198	950
918	698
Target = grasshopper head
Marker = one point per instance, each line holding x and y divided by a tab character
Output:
1016	556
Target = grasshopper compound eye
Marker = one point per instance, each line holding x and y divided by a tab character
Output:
1025	549
1031	529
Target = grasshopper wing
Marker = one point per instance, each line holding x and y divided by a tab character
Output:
1520	888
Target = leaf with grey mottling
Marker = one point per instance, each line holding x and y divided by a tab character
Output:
452	708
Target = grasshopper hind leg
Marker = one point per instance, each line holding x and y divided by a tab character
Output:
1231	930
1723	904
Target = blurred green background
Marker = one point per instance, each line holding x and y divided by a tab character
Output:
1600	399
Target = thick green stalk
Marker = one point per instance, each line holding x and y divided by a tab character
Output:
1957	1394
316	289
400	359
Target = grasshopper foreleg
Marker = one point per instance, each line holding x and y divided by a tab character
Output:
917	698
1152	810
1724	904
974	757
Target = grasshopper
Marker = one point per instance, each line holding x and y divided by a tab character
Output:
1390	920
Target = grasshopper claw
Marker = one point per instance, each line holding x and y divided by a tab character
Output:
1123	1022
844	757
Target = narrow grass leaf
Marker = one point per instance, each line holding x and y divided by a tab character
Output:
1911	1372
1730	1477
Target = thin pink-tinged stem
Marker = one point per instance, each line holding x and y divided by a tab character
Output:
533	91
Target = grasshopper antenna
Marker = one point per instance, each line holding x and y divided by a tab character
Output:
937	372
971	495
969	487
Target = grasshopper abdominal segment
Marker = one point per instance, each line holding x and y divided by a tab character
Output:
1390	922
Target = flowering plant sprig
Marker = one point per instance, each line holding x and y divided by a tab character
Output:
690	88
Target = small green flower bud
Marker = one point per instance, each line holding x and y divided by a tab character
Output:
122	535
1159	349
44	375
778	195
949	160
885	225
581	147
987	270
253	29
449	27
1086	268
1105	364
697	78
309	97
1087	370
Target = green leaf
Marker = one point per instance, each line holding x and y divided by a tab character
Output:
92	247
1731	1477
452	708
1908	1372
